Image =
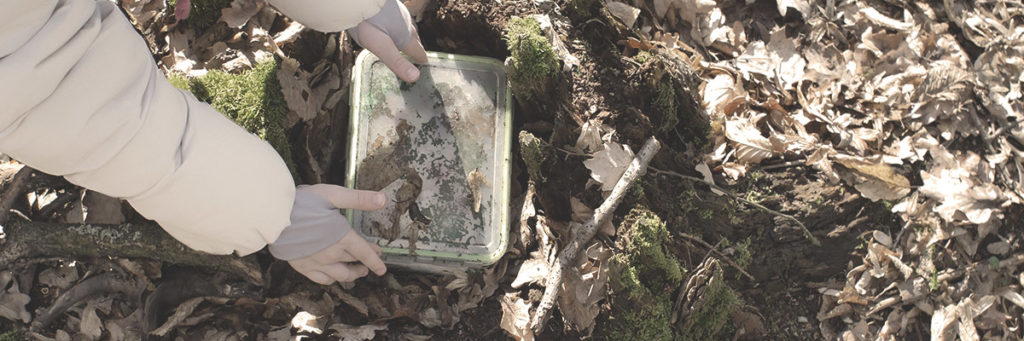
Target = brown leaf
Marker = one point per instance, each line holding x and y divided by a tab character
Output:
356	333
240	11
90	326
608	164
533	270
12	302
515	317
751	146
875	180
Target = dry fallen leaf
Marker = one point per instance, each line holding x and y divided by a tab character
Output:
515	317
240	11
876	180
624	12
533	270
346	332
90	325
751	146
608	164
803	7
476	183
307	323
12	302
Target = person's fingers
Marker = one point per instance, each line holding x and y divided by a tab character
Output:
343	197
333	254
318	277
414	49
359	248
343	272
384	48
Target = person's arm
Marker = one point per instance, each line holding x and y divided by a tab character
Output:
382	26
82	99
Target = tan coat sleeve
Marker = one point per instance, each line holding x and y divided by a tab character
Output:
328	15
82	98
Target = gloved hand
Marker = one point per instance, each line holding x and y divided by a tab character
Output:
319	243
388	32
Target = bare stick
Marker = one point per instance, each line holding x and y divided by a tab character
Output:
586	232
807	233
26	240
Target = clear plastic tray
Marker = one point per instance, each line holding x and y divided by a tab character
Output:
446	137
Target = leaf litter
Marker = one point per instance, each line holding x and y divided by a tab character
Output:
881	97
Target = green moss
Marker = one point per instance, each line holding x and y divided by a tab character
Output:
253	99
642	57
707	322
644	277
664	103
533	61
533	155
12	335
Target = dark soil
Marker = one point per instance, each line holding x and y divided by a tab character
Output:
613	83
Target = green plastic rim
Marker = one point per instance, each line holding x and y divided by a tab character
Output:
425	258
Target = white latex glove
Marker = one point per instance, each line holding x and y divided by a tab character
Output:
388	32
319	243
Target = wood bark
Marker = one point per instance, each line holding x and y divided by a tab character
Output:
587	231
26	240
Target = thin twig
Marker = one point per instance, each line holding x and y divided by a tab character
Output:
785	164
807	233
586	232
720	254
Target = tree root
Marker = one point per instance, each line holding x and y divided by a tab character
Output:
39	239
106	283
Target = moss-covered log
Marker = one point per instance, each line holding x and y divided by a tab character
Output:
37	239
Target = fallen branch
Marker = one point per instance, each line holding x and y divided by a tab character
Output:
101	284
39	239
581	237
807	233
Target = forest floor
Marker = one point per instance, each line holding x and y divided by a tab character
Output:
828	170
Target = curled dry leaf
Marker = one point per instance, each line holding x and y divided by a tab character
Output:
590	137
12	302
751	146
624	12
515	317
240	11
533	270
307	323
875	180
608	164
90	325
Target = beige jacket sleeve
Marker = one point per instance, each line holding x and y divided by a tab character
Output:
328	15
81	97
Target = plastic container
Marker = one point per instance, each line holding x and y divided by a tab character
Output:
439	148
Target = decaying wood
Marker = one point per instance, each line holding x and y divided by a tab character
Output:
583	235
102	284
38	239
